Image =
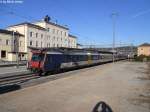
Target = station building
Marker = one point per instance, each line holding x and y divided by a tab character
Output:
11	43
144	49
44	34
39	34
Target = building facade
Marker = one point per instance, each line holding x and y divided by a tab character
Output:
34	35
56	35
45	34
144	49
11	43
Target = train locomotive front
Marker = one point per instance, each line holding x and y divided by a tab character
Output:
35	64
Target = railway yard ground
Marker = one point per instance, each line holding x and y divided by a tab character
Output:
123	85
12	70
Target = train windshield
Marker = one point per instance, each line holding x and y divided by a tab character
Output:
37	57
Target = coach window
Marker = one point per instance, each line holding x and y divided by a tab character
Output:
48	59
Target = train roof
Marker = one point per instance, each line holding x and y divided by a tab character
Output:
66	50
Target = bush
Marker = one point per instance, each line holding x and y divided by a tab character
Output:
142	58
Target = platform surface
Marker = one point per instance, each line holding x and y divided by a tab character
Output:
119	85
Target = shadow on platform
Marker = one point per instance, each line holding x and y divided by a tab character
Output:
9	88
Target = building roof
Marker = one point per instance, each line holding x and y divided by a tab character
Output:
144	44
55	24
72	36
29	24
10	32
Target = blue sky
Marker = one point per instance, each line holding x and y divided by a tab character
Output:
90	20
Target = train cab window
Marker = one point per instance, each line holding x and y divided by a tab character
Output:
37	57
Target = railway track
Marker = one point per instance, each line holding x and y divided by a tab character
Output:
17	79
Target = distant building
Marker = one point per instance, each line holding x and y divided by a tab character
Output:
72	41
144	49
10	44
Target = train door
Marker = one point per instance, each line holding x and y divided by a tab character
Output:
52	62
89	58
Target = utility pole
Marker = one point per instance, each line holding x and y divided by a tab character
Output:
15	47
113	16
17	50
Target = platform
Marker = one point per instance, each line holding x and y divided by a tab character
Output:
117	84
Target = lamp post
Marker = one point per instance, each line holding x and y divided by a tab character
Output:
113	16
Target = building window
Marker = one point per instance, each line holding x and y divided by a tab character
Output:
36	43
41	36
36	35
48	29
65	34
41	44
61	32
53	31
3	54
20	43
31	34
57	31
7	42
54	38
0	41
30	43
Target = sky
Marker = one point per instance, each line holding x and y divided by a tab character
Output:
89	20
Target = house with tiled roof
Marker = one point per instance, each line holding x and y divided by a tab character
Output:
144	49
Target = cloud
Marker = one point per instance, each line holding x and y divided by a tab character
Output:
141	13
